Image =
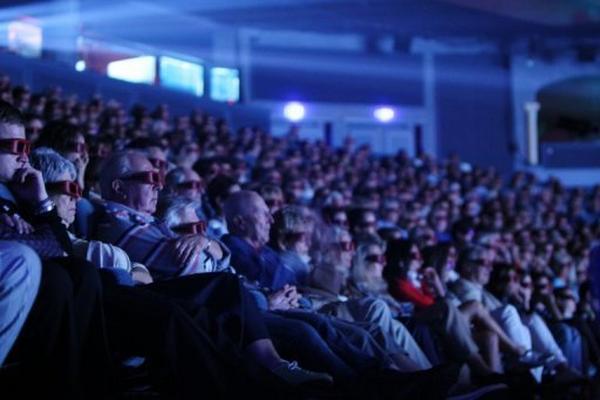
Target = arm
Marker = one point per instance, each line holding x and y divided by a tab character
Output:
408	292
42	240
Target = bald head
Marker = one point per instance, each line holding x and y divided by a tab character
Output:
242	203
248	217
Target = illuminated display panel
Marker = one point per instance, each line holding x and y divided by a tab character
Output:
182	75
25	38
136	70
224	84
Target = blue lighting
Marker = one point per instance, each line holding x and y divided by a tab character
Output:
384	114
136	70
224	84
181	75
294	111
80	66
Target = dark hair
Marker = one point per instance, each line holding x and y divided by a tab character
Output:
397	255
58	135
499	279
202	166
144	143
218	188
468	258
437	256
10	115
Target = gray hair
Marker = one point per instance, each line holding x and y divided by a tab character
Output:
172	207
51	164
359	268
116	166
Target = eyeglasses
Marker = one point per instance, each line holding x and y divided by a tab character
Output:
347	245
296	236
192	228
16	146
157	163
70	188
274	202
193	149
340	222
148	177
526	284
79	148
190	185
101	152
375	258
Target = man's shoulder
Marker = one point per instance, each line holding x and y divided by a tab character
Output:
459	286
233	241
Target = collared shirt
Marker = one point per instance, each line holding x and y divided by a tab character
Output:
467	290
150	242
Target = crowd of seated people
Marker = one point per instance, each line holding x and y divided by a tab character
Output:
218	256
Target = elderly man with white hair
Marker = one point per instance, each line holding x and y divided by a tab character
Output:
130	186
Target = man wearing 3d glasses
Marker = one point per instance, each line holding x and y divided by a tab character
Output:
139	322
65	326
130	186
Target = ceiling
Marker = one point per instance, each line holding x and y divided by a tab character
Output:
184	24
408	17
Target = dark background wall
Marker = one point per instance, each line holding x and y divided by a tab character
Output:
343	78
474	109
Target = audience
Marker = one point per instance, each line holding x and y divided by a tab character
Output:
483	270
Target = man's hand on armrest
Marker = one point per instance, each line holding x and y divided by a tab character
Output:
140	274
189	247
16	223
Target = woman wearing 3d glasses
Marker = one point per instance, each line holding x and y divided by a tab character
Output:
64	191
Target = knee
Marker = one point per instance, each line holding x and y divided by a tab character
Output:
378	309
307	333
27	255
21	263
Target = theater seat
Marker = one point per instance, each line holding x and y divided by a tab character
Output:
86	217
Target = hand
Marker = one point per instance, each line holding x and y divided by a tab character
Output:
433	280
284	299
16	223
28	185
215	250
189	247
142	276
81	164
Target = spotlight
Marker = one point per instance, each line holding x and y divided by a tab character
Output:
80	66
294	111
384	114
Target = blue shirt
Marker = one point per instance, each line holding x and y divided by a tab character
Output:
261	266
